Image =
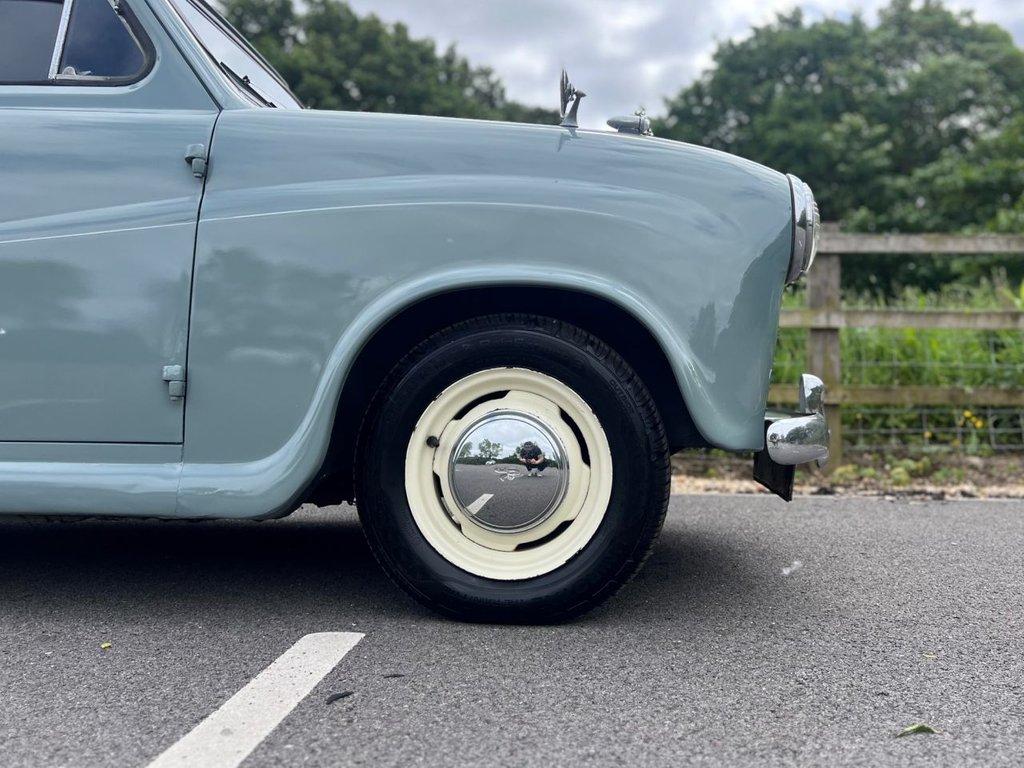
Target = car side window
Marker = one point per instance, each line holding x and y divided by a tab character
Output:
99	43
71	42
28	32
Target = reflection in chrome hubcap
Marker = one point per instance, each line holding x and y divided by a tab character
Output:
508	472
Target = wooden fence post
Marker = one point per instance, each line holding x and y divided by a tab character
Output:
823	358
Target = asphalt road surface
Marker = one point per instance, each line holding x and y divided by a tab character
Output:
758	633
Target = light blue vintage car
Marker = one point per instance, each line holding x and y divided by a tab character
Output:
216	304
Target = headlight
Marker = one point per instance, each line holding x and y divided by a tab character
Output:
806	229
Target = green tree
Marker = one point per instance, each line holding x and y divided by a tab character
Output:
335	59
488	449
909	125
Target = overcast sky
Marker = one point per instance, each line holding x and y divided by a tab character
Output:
623	53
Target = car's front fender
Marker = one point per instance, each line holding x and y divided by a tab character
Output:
309	241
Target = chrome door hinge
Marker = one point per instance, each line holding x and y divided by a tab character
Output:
174	375
195	155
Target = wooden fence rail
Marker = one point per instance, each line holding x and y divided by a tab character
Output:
825	318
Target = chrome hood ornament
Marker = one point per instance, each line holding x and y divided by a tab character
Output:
568	92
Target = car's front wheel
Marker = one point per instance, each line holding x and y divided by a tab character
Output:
514	468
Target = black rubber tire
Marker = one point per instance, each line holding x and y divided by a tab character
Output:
640	462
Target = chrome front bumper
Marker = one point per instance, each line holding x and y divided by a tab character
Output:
793	438
803	437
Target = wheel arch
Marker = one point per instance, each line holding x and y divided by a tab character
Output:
410	324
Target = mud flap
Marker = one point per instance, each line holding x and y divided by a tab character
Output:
777	478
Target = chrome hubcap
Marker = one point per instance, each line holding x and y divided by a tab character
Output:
509	472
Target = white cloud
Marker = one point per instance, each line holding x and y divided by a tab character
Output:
623	53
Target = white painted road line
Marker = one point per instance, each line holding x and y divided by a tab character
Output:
477	505
225	738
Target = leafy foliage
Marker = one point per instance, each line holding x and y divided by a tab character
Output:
335	59
916	728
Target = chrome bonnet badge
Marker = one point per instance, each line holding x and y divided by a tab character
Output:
639	123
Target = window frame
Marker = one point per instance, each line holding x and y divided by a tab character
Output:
54	79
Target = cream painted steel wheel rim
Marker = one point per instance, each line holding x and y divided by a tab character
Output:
458	496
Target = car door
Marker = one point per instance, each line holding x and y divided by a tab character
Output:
98	210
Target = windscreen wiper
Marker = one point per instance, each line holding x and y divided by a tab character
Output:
243	80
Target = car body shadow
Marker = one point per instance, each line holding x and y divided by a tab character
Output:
315	563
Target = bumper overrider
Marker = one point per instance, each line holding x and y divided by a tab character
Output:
793	438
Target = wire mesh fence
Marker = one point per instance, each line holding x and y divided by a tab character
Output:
978	430
915	357
921	357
